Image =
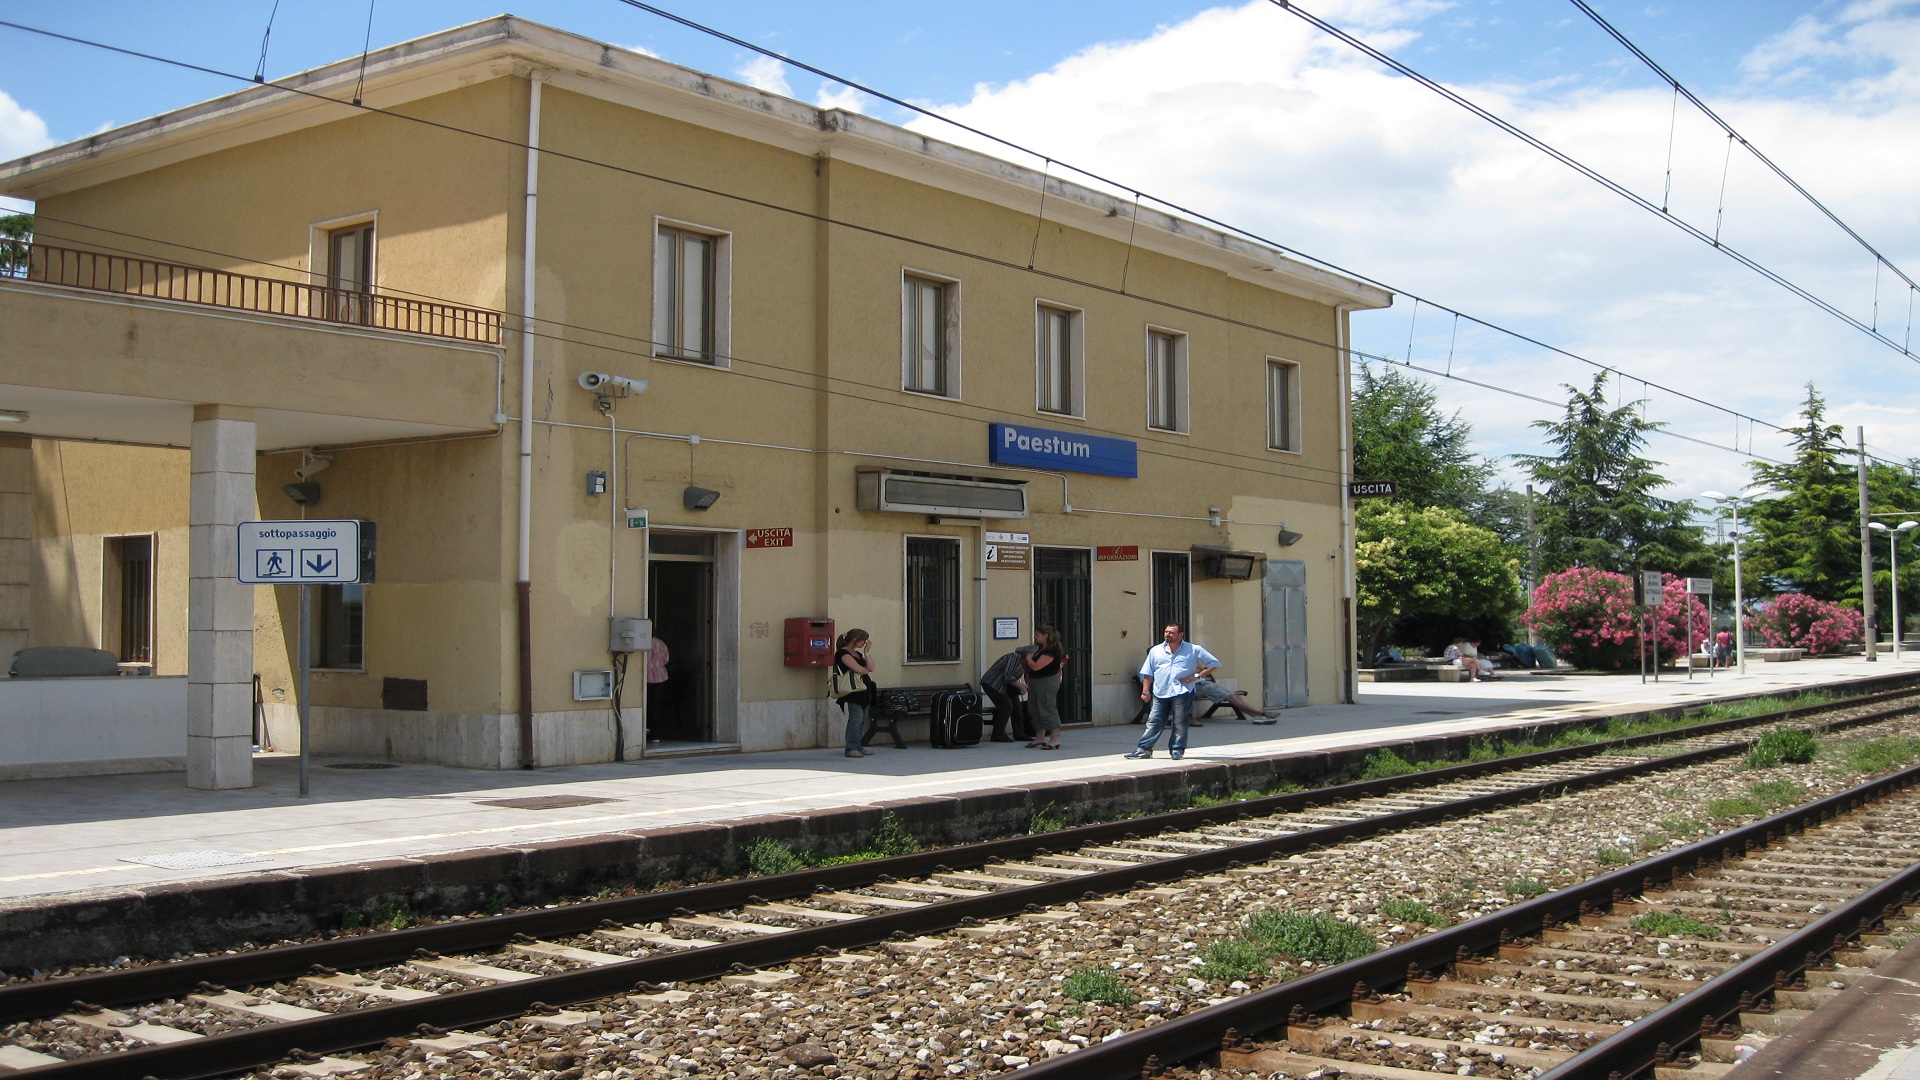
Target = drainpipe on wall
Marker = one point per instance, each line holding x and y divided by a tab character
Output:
1349	631
523	583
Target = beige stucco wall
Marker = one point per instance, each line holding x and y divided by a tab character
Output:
811	393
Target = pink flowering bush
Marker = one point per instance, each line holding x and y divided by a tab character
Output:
1798	621
1590	617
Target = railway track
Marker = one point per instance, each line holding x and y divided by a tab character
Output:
298	1004
1677	967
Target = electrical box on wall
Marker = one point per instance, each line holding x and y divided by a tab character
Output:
596	483
809	642
593	685
625	634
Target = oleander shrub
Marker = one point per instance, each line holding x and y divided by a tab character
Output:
1799	621
1589	616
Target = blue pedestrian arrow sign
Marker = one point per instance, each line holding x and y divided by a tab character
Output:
299	552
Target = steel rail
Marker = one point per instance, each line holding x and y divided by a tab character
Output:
1202	1031
22	1001
220	1054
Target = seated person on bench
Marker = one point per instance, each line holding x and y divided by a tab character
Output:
1218	694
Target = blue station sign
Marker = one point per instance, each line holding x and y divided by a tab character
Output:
1064	451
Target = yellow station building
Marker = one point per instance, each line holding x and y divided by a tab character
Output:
889	382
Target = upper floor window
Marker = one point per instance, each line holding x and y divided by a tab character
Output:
1166	380
350	271
1283	405
690	295
930	335
1059	360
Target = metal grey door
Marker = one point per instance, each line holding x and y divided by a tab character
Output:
1283	617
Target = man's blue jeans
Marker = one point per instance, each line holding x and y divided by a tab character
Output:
1176	712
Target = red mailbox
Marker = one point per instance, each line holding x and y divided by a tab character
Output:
809	642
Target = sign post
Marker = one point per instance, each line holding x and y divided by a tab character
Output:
303	553
1700	586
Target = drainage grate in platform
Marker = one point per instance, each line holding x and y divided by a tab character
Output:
193	860
544	802
363	765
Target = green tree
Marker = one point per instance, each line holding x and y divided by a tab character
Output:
1597	506
1425	561
13	256
1400	434
1806	537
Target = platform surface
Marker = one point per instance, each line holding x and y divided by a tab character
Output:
59	837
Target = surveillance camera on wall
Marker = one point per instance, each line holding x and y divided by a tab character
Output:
311	466
599	382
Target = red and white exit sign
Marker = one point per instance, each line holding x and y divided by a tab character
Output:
769	538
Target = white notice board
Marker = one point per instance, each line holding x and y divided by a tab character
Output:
299	552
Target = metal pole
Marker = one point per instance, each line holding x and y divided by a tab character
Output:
1866	555
1893	555
1533	568
306	664
1739	597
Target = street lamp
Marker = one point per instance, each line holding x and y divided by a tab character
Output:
1893	551
1739	595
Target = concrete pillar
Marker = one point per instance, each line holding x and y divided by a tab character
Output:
16	543
219	608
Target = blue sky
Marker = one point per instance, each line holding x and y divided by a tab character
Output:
1243	112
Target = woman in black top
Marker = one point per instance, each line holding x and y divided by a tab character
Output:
1044	665
856	670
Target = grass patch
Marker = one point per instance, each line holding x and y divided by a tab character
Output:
1097	985
1412	911
1322	939
1778	792
1523	886
1739	806
1382	764
1672	924
1740	710
1875	755
1046	819
1613	855
1681	828
767	856
1233	958
1782	746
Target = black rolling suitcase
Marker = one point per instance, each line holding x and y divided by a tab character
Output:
956	720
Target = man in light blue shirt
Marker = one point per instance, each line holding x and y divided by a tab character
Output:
1166	679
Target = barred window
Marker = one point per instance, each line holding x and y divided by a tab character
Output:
933	600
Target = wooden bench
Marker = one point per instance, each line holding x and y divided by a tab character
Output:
889	721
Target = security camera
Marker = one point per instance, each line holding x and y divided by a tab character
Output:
599	382
311	466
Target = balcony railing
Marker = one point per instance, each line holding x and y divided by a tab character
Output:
133	276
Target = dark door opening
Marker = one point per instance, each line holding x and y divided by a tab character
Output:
1172	579
1063	597
127	625
680	603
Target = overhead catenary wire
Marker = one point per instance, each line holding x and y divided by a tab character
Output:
1200	216
1593	174
549	151
1705	110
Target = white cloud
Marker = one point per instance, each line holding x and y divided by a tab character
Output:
832	95
21	130
1251	116
641	49
765	73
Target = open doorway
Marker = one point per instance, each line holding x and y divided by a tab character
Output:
680	601
1063	597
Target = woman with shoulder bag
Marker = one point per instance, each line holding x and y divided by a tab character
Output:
1044	665
853	686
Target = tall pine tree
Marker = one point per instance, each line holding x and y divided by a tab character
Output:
1597	506
1806	536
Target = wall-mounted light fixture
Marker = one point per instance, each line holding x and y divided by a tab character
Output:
699	498
1288	537
306	493
13	416
1213	516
